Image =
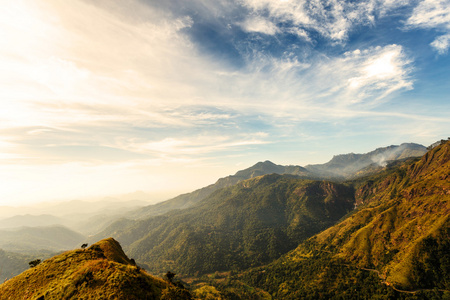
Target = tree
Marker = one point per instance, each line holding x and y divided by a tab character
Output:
34	263
170	275
84	246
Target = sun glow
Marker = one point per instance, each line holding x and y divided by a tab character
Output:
383	66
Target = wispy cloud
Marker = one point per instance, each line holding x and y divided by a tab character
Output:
442	44
260	25
143	85
332	19
432	14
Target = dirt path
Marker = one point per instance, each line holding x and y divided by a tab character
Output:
384	281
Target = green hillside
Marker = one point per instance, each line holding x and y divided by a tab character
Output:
101	271
395	245
249	224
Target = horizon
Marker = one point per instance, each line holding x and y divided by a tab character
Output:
101	99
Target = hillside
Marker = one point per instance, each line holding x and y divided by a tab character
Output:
340	167
249	224
52	238
395	244
101	271
12	264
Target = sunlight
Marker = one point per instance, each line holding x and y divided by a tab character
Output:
382	67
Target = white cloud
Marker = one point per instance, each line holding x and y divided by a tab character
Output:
364	76
442	44
102	68
93	76
333	19
430	14
260	25
433	14
382	70
168	148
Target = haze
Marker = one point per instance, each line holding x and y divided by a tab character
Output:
109	97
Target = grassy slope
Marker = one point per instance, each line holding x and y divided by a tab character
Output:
406	209
101	271
246	225
399	236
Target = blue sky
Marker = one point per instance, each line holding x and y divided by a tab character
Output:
107	97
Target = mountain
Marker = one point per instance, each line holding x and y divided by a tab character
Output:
102	271
347	166
395	245
340	167
189	199
65	209
30	221
87	217
248	224
27	239
186	231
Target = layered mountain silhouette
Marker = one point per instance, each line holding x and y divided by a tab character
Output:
25	239
246	224
341	167
348	166
102	271
372	225
29	220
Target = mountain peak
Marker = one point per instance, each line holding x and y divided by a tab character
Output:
112	250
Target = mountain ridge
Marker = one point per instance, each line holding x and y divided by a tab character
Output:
267	167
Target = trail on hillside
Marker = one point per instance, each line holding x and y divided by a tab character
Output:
385	282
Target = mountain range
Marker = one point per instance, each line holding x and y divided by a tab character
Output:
393	246
340	167
53	238
372	225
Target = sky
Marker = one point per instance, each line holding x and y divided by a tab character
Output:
107	97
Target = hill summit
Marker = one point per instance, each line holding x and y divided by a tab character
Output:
102	271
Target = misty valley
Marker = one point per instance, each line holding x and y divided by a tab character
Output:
361	226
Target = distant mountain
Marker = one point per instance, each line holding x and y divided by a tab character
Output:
341	167
347	166
80	207
189	199
394	246
87	217
68	209
30	221
101	271
52	238
248	224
